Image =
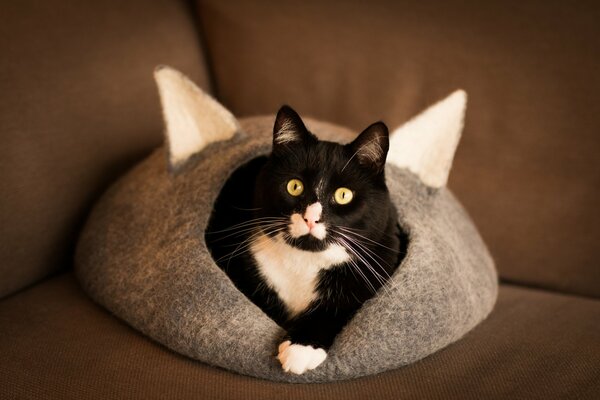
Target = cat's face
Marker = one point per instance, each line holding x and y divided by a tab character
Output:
312	192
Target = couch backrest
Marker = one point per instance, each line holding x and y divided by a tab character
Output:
77	107
528	167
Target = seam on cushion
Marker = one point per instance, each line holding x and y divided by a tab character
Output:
32	285
194	9
547	289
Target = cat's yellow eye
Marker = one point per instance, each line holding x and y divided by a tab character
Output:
343	195
295	187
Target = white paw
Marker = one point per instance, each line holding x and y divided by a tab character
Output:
297	358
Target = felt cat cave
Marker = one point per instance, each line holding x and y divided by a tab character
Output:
143	253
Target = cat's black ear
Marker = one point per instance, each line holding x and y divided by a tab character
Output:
371	147
288	127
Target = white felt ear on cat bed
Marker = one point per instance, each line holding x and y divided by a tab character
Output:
193	119
426	144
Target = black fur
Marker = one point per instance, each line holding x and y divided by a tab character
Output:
258	190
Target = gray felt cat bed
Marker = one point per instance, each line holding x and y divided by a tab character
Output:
143	254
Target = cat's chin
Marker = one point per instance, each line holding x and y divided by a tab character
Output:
307	243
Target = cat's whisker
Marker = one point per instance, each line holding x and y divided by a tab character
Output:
351	269
244	231
367	241
364	246
373	253
386	283
347	230
263	245
241	230
380	279
240	250
357	230
359	243
254	221
356	267
365	278
383	232
247	209
244	245
246	242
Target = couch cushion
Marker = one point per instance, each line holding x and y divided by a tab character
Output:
527	168
55	343
78	105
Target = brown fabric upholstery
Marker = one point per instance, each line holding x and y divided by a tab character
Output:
56	344
77	107
527	169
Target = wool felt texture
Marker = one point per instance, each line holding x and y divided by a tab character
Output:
143	256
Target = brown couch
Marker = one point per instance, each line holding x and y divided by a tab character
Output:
78	107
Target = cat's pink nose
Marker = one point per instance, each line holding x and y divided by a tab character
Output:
311	224
313	214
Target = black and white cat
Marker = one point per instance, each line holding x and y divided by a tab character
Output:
315	238
308	233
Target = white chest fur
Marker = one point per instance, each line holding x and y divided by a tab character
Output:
293	273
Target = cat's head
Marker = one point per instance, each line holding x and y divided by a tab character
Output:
311	192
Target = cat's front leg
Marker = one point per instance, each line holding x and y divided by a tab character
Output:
298	358
308	340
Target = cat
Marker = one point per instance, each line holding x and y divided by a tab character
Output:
309	233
